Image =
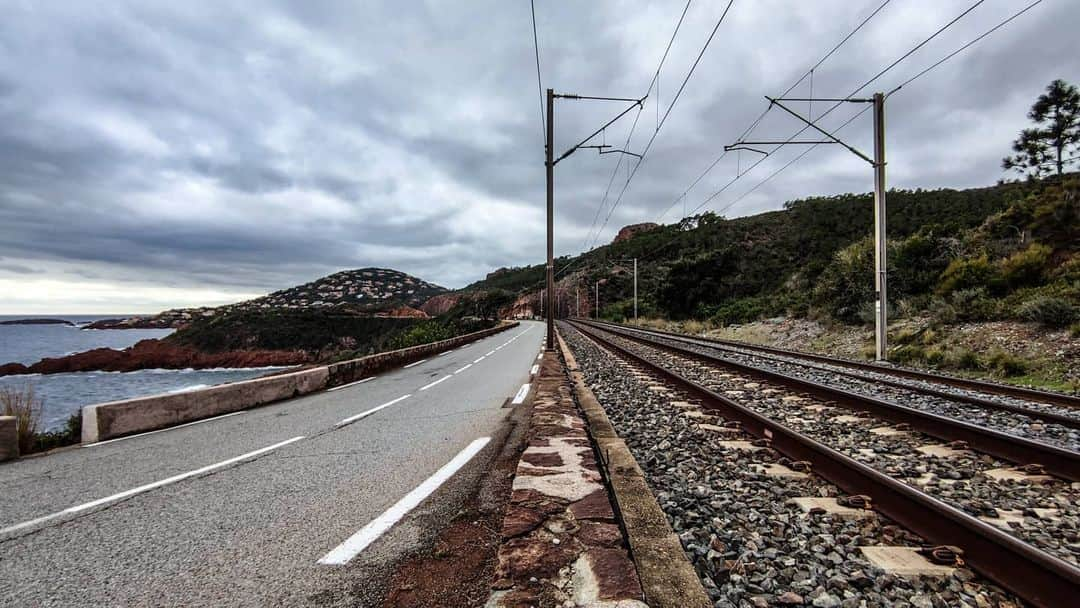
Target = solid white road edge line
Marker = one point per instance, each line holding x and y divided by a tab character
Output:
431	384
338	388
414	363
370	533
151	486
464	368
90	445
352	419
523	392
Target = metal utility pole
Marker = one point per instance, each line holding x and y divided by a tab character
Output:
635	289
597	300
549	163
881	317
549	151
881	308
577	301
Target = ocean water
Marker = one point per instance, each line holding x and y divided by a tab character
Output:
65	394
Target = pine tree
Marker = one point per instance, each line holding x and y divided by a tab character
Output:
1053	141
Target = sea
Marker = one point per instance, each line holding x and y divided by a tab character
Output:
65	394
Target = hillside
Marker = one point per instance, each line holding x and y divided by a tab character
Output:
374	289
813	258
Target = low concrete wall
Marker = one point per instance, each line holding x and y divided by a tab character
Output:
118	418
9	438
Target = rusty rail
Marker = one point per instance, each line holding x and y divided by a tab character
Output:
724	346
1038	577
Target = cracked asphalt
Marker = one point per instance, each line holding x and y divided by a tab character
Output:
250	534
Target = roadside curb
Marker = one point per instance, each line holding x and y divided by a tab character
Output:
667	577
560	543
118	418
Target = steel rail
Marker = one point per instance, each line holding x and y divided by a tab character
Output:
1069	421
1039	578
1056	461
1020	392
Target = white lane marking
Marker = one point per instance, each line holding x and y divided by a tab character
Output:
352	419
464	368
91	445
534	369
414	363
523	392
151	486
372	531
338	388
489	353
540	356
447	352
479	360
431	384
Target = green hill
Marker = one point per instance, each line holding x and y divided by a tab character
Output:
985	253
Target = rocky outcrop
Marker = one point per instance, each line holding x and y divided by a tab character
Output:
404	312
36	322
629	232
440	304
155	354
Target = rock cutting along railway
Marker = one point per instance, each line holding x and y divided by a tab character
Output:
792	481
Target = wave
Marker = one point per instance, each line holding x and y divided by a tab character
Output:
184	389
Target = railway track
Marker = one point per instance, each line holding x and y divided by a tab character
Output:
795	417
978	386
1047	422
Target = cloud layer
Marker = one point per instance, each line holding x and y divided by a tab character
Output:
155	154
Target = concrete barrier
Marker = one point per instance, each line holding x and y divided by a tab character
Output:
9	438
118	418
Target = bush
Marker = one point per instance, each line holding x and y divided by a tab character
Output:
1025	267
69	435
26	407
1005	363
1048	310
965	273
962	358
934	356
973	305
1074	330
908	353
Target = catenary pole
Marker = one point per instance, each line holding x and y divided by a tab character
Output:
549	150
635	289
597	298
880	283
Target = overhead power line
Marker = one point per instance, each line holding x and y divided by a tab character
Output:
633	127
761	116
539	85
674	100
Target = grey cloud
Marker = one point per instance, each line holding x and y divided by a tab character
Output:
206	144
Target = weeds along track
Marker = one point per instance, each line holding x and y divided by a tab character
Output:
686	415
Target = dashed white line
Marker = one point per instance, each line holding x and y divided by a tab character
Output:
150	486
446	352
464	368
540	356
352	419
489	353
431	384
338	388
523	392
373	530
479	360
90	445
414	363
534	369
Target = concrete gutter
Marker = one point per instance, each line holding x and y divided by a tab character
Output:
118	418
9	438
667	577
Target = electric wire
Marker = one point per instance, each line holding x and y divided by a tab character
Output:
539	85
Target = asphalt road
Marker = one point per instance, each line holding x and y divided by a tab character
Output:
239	511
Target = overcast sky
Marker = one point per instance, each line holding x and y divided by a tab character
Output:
159	154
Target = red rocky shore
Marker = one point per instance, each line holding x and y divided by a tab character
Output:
155	354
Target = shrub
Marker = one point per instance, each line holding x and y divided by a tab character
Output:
69	435
942	311
964	273
908	353
973	305
26	407
1074	330
934	356
1025	267
1005	363
1048	310
962	358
